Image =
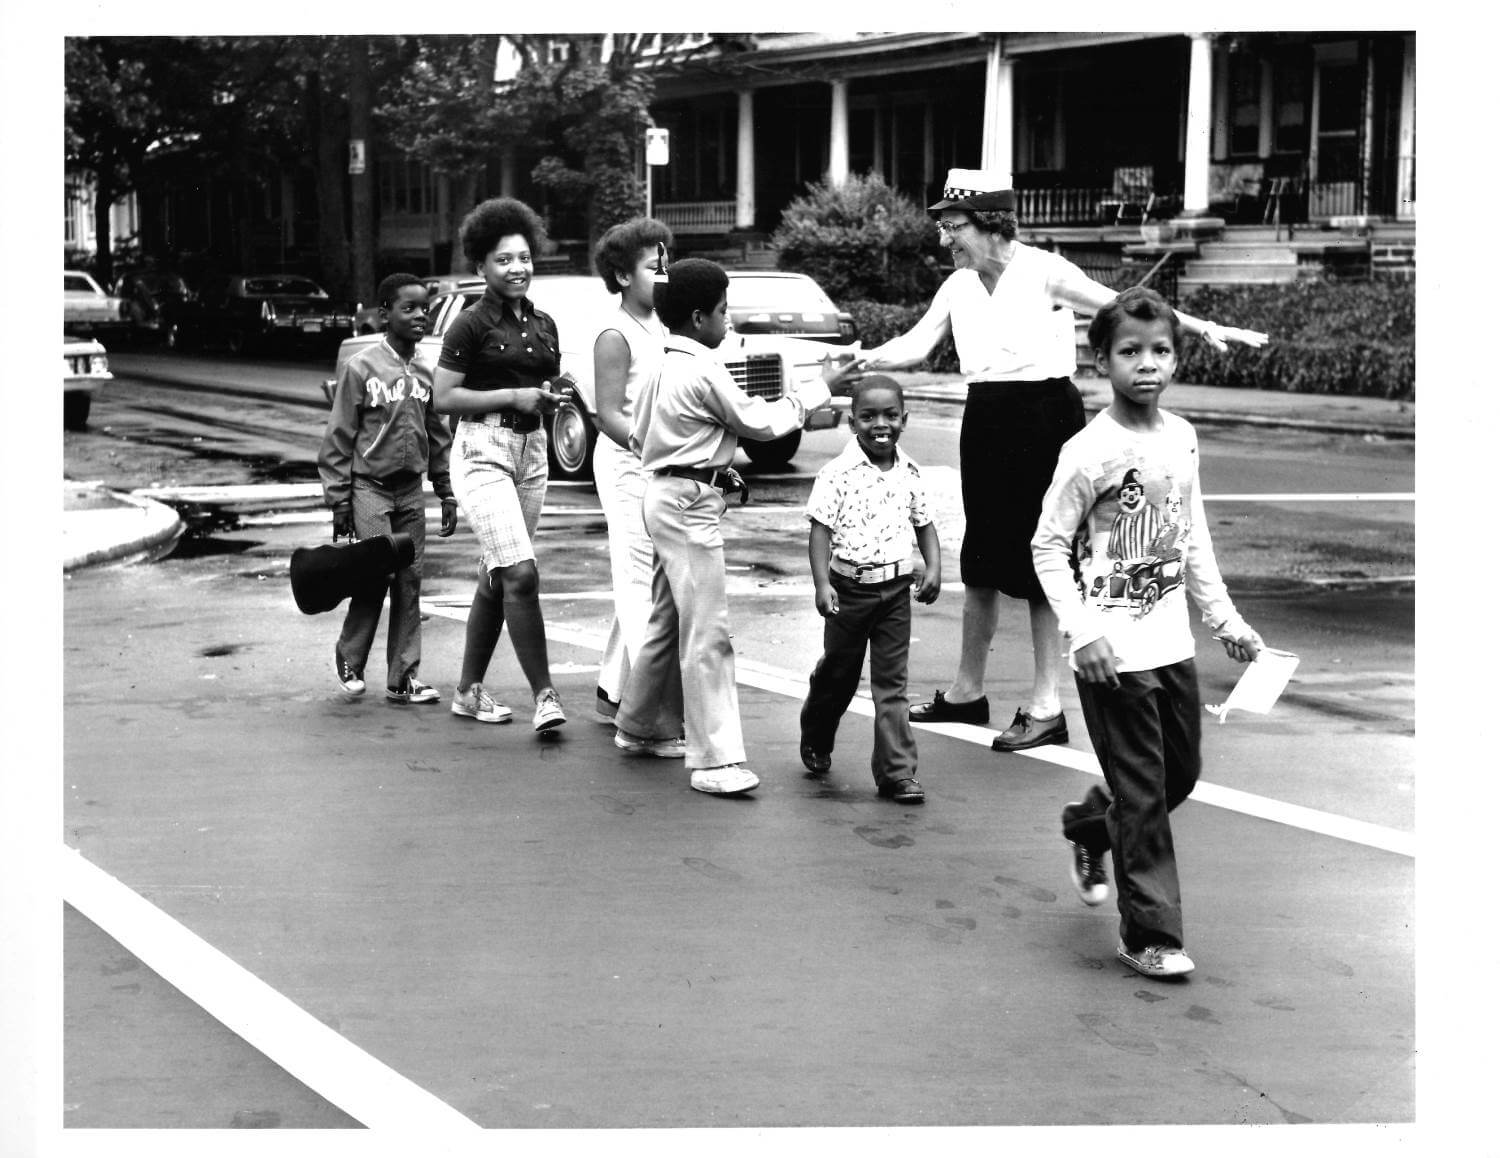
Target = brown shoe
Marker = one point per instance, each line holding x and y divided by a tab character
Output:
942	711
1026	731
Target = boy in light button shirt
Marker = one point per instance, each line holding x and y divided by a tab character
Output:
863	509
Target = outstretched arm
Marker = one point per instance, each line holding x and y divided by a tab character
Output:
1076	290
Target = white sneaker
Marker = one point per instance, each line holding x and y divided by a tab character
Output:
725	780
351	680
477	704
668	749
1156	960
549	713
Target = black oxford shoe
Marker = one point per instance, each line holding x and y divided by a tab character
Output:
941	711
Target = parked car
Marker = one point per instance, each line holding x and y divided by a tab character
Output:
772	302
87	309
85	371
249	312
764	365
160	306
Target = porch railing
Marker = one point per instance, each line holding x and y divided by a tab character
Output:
1061	206
696	216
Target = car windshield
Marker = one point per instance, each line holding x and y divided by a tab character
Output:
163	283
283	285
778	293
78	284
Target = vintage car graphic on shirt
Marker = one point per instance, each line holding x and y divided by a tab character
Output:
1144	550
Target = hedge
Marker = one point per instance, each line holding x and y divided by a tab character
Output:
1326	338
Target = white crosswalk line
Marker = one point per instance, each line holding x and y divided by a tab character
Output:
794	686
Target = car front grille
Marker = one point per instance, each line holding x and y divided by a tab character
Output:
759	375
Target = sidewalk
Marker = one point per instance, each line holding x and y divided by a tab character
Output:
103	526
1335	413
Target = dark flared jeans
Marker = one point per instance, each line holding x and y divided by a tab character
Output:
1146	734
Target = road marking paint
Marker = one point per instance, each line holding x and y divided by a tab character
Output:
366	1089
783	682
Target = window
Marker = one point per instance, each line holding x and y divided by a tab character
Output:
405	186
1043	105
1289	87
1244	105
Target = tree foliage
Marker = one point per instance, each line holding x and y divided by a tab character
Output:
586	116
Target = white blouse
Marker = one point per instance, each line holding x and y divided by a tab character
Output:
1017	333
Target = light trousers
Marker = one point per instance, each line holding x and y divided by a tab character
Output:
622	488
682	682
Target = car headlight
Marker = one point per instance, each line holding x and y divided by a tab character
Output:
267	312
98	364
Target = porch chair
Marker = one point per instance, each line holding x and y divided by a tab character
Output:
1134	194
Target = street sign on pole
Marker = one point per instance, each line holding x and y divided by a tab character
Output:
656	146
356	155
656	154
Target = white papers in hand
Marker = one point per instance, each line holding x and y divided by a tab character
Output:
1260	685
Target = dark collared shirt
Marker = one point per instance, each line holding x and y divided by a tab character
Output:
494	350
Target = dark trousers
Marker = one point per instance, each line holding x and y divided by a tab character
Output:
877	615
1146	734
381	507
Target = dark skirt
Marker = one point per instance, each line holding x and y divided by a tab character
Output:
1007	451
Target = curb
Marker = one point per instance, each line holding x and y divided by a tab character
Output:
153	532
1215	417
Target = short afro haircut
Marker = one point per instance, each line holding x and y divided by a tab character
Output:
620	248
870	382
390	286
692	284
1145	305
498	217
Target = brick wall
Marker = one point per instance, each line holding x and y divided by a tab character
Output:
1393	262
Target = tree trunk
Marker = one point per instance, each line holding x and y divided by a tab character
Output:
104	196
361	185
329	148
465	190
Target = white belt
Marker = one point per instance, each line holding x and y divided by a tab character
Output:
870	572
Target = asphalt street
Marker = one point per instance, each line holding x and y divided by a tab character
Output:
550	935
289	910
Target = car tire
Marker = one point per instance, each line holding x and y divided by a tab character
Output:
776	452
570	441
76	410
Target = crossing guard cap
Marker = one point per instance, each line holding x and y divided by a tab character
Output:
977	189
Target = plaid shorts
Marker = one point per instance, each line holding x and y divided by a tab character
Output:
500	478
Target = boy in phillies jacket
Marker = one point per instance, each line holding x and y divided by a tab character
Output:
383	437
1121	543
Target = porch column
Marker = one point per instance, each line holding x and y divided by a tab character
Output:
1199	123
838	133
744	189
1406	152
997	144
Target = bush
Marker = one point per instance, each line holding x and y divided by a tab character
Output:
1326	338
861	241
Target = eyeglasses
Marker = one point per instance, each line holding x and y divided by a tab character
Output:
952	226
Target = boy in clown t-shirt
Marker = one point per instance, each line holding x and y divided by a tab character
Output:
1121	543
